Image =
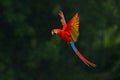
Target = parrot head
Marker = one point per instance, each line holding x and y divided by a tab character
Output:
55	31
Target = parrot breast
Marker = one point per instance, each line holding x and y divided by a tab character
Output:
65	36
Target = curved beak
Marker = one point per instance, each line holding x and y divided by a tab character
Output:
52	33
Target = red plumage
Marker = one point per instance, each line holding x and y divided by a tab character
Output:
70	33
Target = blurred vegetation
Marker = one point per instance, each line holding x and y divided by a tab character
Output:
29	52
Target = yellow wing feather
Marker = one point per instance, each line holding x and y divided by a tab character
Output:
75	27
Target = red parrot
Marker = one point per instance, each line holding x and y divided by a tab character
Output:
70	33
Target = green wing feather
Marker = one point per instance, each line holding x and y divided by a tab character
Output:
75	27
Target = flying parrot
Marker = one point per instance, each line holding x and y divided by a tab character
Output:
70	33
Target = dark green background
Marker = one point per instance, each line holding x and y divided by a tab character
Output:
28	51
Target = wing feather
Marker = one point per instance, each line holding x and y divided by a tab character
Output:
73	27
62	20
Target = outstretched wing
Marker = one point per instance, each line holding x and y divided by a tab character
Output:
73	27
62	20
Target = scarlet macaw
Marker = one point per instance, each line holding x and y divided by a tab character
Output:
70	33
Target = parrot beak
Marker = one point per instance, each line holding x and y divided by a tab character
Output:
52	33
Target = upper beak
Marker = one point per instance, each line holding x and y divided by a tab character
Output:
52	33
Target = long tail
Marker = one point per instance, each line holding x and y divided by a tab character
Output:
81	56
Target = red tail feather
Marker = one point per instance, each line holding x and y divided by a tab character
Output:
84	59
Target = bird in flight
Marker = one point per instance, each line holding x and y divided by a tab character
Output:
70	33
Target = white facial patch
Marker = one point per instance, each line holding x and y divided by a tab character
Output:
55	31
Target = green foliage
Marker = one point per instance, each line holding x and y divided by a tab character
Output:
28	51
